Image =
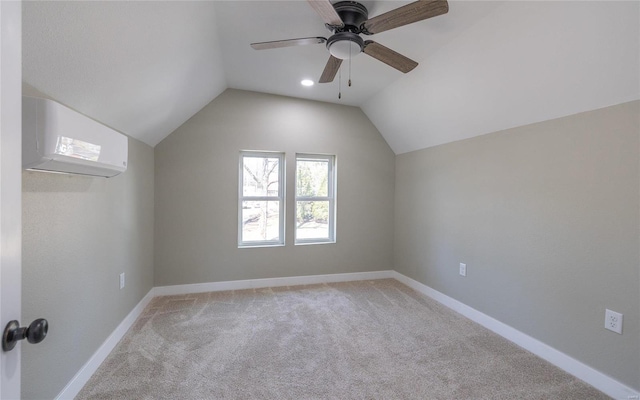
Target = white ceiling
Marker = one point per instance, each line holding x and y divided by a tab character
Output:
144	68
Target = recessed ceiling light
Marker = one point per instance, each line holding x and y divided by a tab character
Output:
306	82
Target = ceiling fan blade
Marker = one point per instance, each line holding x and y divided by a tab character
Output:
413	12
325	9
330	70
288	43
389	57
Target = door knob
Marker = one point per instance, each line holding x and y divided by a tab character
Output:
34	333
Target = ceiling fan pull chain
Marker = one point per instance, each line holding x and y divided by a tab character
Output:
339	83
350	65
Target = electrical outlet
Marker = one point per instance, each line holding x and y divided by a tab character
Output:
122	280
463	269
613	321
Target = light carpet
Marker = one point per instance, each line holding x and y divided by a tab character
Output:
356	340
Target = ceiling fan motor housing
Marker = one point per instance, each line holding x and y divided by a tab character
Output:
352	13
346	41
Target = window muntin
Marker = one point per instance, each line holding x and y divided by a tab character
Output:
261	199
315	199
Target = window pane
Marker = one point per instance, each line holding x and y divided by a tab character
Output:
260	176
260	220
312	220
312	178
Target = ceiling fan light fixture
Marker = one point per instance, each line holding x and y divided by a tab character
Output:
345	45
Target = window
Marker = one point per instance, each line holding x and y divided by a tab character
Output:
261	199
315	199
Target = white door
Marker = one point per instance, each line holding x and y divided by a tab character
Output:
10	187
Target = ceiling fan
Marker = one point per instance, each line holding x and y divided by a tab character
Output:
348	20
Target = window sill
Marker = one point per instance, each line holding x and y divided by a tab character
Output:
254	246
311	243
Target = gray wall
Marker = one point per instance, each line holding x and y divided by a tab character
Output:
196	187
546	217
79	233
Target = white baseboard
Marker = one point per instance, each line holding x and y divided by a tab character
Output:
582	371
595	378
269	282
89	368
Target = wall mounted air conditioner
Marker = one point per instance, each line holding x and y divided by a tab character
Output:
58	139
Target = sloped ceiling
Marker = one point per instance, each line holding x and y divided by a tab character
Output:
525	62
144	68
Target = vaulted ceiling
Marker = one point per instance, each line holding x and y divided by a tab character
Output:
144	68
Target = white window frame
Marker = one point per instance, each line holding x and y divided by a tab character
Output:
280	198
331	197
